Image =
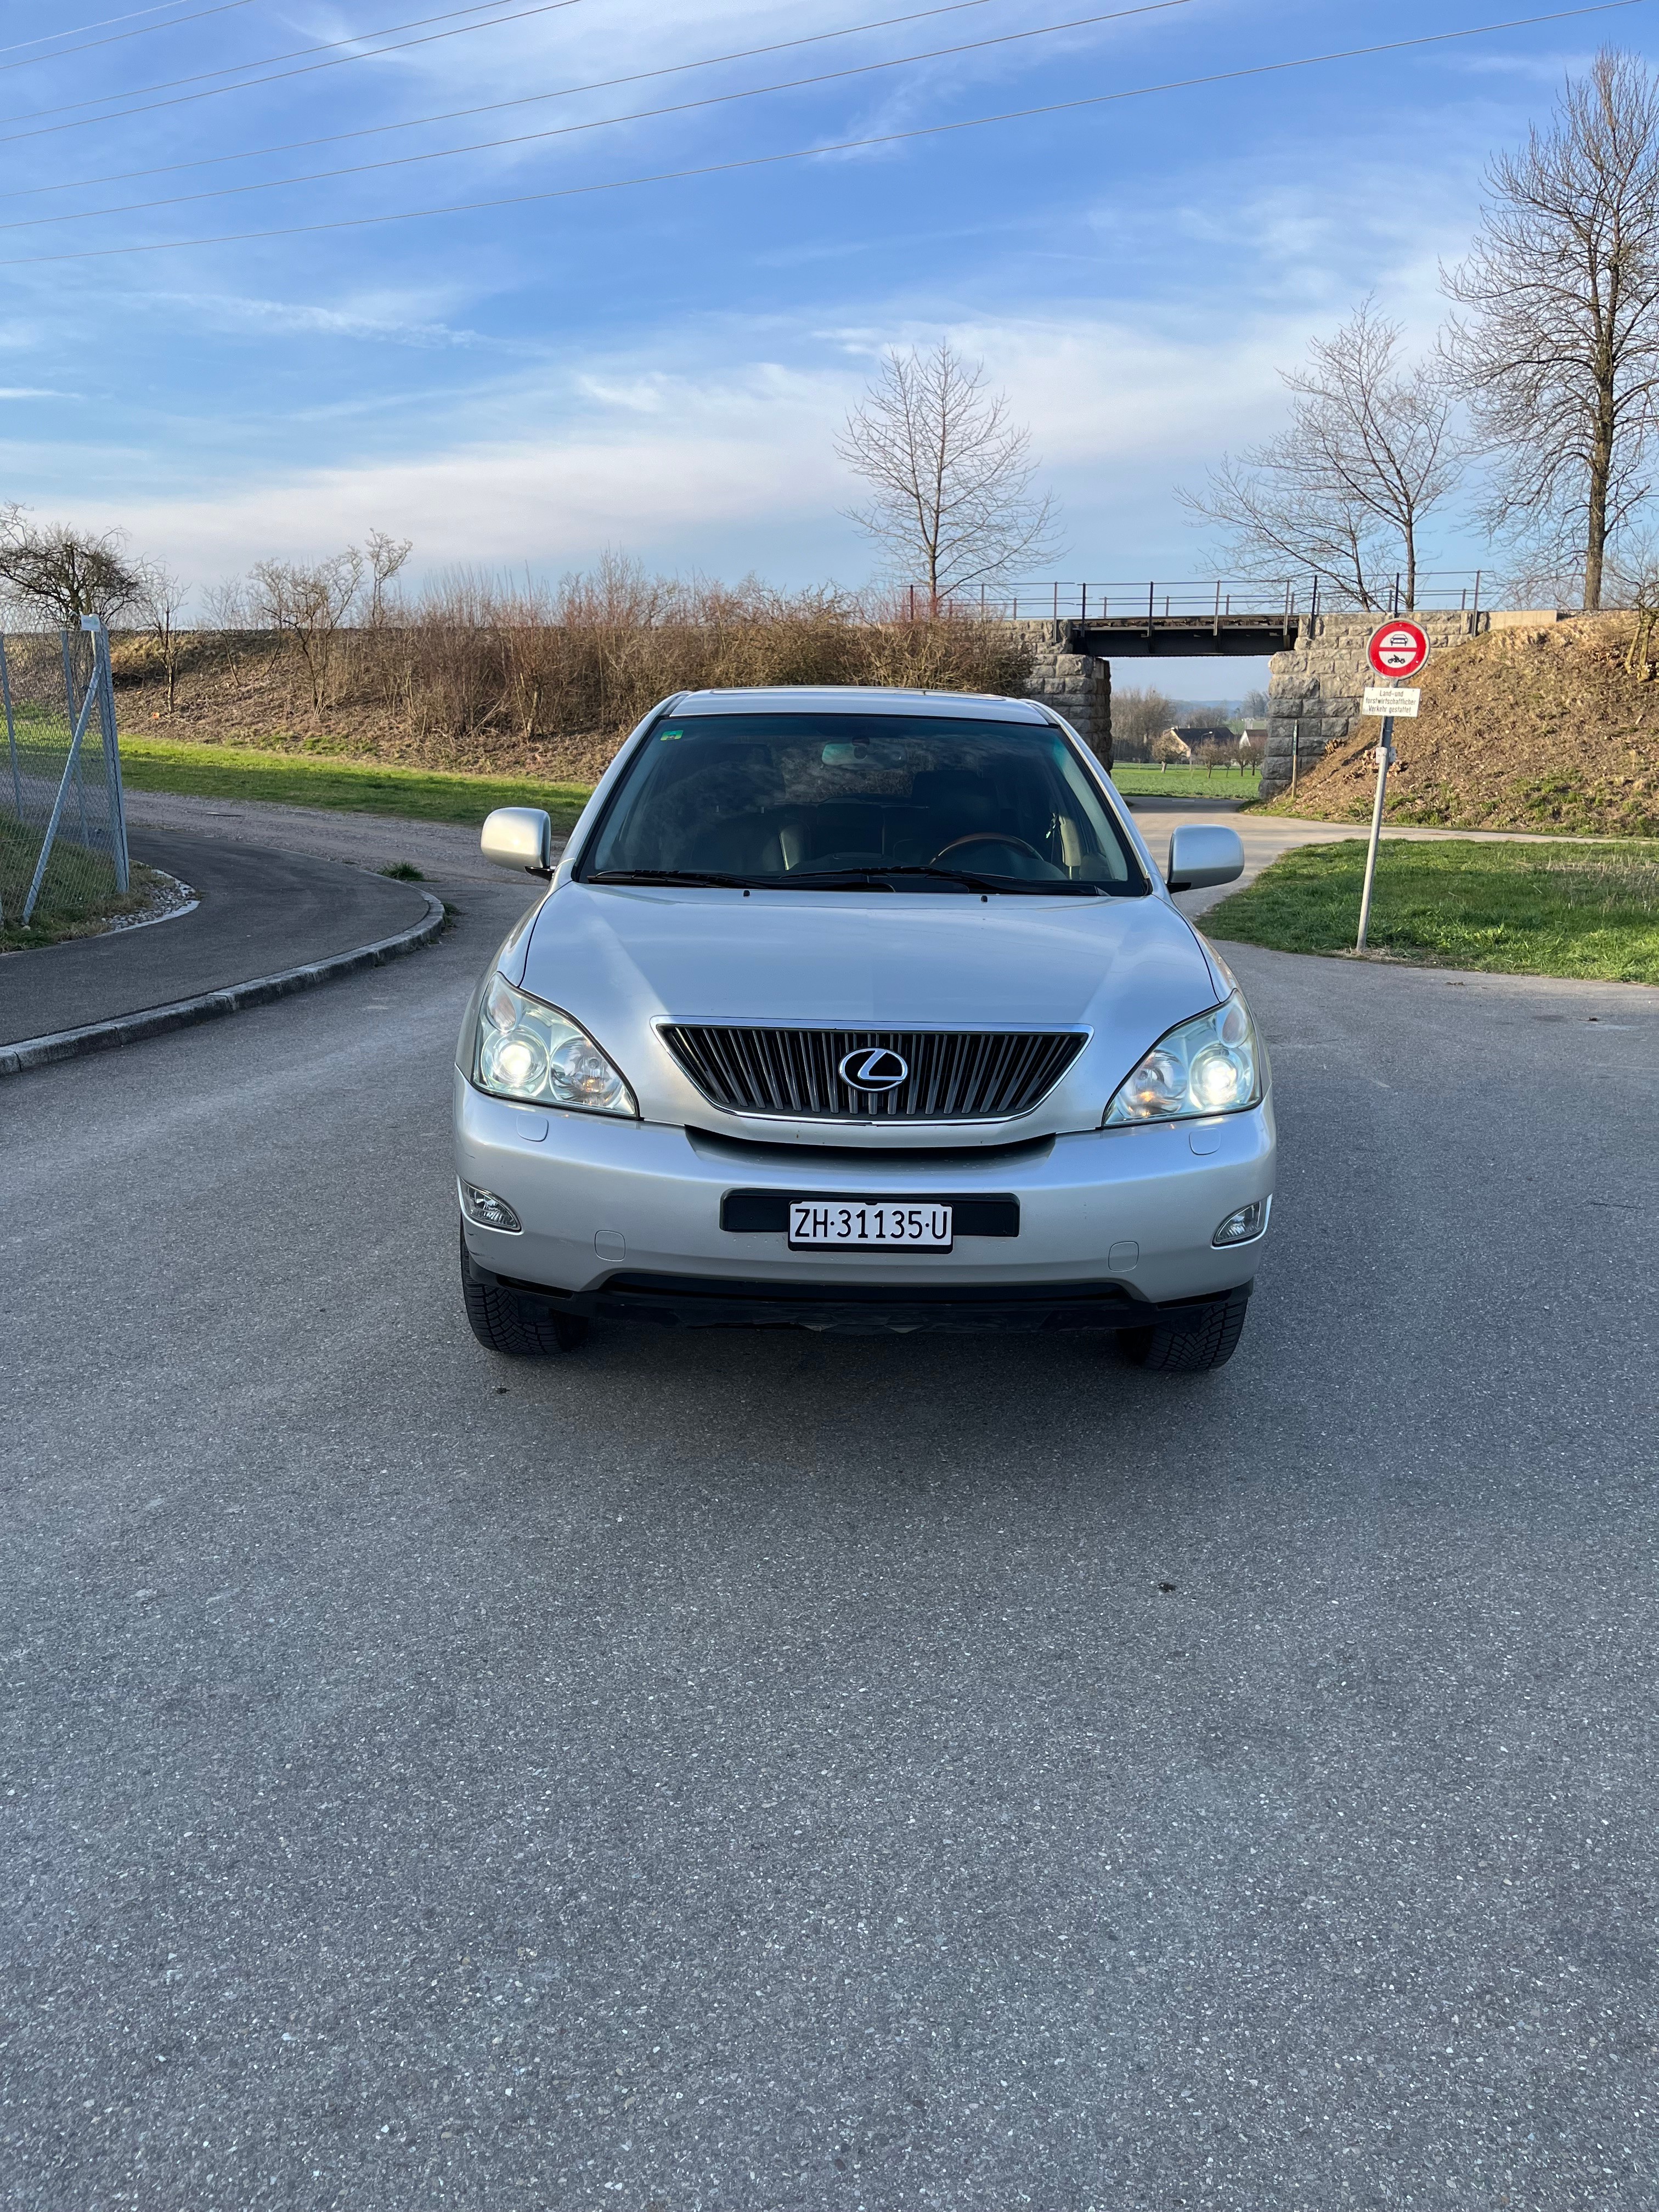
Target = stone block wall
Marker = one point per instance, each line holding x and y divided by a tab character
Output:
1075	684
1314	691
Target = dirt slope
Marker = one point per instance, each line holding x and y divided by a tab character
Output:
1523	729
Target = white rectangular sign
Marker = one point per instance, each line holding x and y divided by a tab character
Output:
1399	700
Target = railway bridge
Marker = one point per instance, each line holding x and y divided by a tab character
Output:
1314	645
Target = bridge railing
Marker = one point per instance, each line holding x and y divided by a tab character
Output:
1195	600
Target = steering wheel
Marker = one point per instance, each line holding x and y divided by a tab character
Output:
987	837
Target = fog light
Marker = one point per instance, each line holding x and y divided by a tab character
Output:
489	1210
1239	1228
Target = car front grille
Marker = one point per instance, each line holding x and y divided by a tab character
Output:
952	1075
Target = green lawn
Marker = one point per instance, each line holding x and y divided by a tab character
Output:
77	896
358	786
1140	778
1588	910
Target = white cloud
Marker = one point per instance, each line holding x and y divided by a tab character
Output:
384	323
730	464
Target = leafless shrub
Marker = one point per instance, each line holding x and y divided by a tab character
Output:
157	603
494	662
308	605
384	558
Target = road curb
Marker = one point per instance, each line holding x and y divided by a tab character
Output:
233	999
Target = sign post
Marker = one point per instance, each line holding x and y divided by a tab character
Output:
1398	649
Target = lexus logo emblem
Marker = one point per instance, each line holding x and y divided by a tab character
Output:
873	1069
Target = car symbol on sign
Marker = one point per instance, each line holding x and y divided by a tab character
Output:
1399	649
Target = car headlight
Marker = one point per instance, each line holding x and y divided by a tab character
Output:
528	1049
1212	1065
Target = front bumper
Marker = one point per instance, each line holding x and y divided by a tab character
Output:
623	1220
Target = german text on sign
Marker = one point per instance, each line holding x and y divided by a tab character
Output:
1399	701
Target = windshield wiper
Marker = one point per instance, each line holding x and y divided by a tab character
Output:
1040	885
848	879
845	879
667	876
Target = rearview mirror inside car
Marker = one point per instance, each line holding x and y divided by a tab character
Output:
519	837
1202	854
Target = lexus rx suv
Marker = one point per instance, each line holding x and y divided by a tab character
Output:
862	1010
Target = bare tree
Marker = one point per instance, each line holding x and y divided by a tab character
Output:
158	597
1138	715
56	573
1344	491
385	556
308	604
1559	353
951	479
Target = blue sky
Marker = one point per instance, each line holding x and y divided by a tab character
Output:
661	368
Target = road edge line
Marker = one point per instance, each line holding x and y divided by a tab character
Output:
232	998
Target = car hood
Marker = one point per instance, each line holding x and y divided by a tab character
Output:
621	959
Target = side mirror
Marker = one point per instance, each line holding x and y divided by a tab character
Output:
1202	854
520	837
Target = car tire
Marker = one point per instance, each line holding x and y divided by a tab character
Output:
504	1323
1192	1351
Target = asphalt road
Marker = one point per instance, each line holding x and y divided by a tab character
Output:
767	1770
449	849
257	912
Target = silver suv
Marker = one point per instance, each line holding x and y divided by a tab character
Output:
862	1010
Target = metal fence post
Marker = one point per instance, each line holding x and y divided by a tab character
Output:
103	682
1384	755
50	838
73	709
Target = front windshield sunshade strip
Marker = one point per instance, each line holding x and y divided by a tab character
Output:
950	1075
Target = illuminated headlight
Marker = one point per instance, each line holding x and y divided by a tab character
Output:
1213	1065
527	1049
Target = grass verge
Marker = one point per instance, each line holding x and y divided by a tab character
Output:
1140	780
68	908
358	787
1590	912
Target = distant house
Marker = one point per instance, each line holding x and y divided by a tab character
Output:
1206	733
1171	745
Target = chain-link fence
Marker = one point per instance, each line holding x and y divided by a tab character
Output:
63	828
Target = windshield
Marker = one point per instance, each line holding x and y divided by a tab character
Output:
787	799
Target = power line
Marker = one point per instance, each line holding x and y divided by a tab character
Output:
839	146
222	8
495	106
75	29
606	122
332	46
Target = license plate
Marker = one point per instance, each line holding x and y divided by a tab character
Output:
822	1224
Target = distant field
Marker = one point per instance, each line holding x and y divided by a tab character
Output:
214	771
1135	778
357	787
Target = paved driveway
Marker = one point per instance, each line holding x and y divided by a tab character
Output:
772	1771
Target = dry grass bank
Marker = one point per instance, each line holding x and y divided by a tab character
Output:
476	677
1528	729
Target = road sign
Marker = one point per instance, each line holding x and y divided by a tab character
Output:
1399	649
1391	699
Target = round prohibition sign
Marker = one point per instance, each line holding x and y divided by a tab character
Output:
1399	649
